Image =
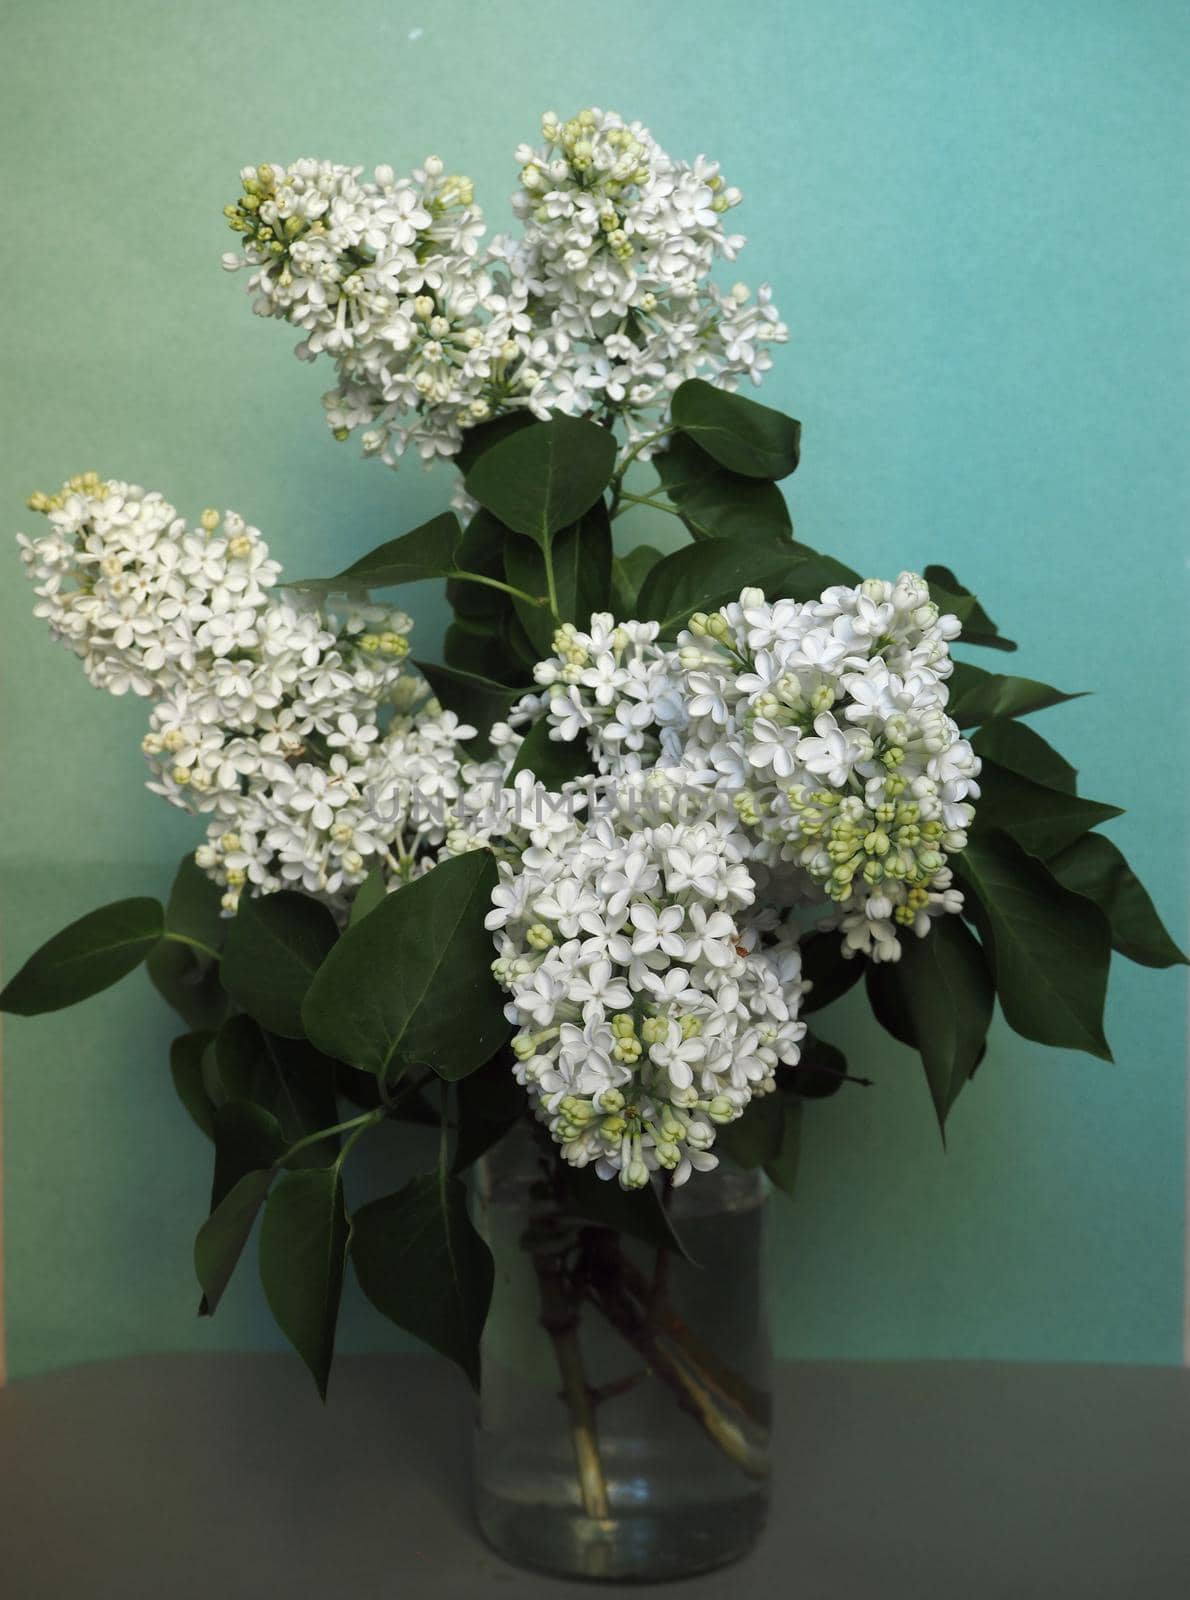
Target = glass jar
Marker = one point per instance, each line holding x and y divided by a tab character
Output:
623	1428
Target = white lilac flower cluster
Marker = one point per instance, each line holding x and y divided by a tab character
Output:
816	731
603	303
294	729
612	685
828	721
648	1011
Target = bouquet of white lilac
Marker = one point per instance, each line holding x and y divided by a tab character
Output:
594	871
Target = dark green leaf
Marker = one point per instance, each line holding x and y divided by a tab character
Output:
553	762
518	646
286	1077
489	1102
887	1005
739	434
427	552
1020	748
545	476
275	945
184	974
91	954
368	896
815	573
941	993
782	1167
189	982
628	575
948	594
524	568
703	577
754	1139
247	1139
412	982
194	907
480	439
185	1066
1041	819
422	1264
303	1245
977	696
822	1070
474	700
1049	949
1093	867
469	647
222	1237
582	559
827	970
717	504
481	551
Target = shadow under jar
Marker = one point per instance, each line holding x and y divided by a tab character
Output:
623	1428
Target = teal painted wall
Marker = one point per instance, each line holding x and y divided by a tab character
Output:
975	221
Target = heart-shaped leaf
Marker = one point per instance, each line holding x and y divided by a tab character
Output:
275	945
479	440
582	567
422	1264
412	982
739	434
717	504
545	476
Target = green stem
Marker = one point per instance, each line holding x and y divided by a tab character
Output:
195	944
507	588
366	1120
645	500
641	444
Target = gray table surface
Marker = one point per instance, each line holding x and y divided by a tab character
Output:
222	1477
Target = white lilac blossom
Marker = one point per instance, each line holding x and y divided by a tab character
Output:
296	729
818	730
603	304
612	685
834	713
649	1012
136	594
618	244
